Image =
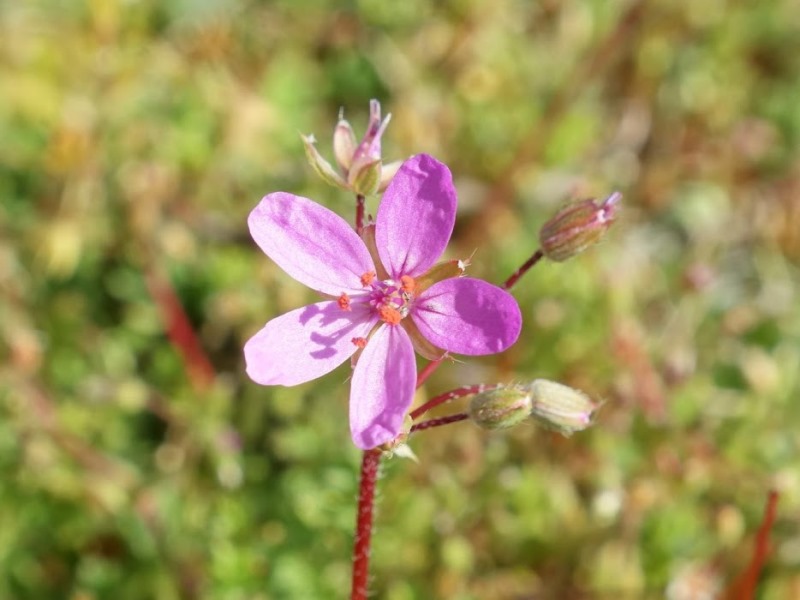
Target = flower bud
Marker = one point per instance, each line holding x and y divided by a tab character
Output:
344	143
500	408
561	408
369	150
366	179
577	226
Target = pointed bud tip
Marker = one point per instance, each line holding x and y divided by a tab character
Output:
561	408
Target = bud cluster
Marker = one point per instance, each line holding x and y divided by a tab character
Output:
360	165
555	406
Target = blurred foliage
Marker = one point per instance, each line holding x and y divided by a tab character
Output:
138	134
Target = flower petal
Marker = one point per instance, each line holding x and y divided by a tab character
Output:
382	388
305	343
416	216
312	244
468	316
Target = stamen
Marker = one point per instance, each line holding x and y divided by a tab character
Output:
408	284
360	342
344	301
367	278
389	315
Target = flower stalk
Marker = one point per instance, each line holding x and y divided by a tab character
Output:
439	421
466	390
370	464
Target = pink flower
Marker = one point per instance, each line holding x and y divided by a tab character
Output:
385	300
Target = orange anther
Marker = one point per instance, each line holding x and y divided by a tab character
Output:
360	342
389	315
367	278
408	284
344	301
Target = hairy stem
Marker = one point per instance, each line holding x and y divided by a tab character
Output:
438	422
370	463
360	199
428	370
535	257
467	390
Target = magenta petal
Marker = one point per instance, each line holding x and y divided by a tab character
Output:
382	388
312	244
468	316
305	343
416	216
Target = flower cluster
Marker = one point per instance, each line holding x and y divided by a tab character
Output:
385	295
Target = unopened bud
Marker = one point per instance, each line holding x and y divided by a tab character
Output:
577	226
369	150
501	408
344	143
365	179
560	407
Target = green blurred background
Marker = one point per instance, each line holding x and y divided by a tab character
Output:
138	134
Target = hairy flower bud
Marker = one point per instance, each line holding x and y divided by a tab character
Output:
560	407
577	226
501	408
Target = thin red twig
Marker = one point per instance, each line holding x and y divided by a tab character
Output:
438	422
467	390
536	257
744	588
427	371
179	330
360	199
370	463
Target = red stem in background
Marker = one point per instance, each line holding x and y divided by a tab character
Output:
467	390
179	329
744	588
438	422
370	462
536	257
360	199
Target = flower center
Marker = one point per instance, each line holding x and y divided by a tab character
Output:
391	299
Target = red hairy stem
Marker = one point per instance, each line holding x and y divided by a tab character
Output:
438	422
360	199
467	390
744	588
179	329
370	463
427	371
536	257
